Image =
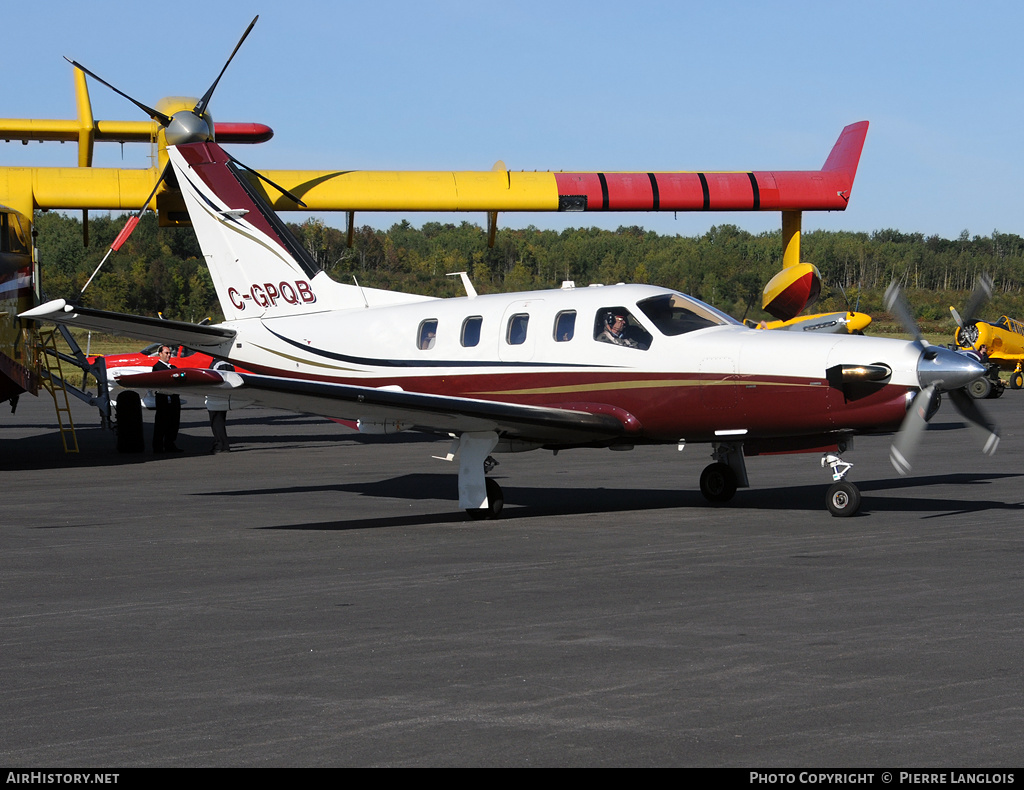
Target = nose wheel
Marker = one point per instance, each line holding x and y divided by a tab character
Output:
843	498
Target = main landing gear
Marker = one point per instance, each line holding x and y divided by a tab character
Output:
495	502
719	481
479	496
843	498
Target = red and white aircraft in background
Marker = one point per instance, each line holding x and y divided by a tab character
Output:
525	371
128	364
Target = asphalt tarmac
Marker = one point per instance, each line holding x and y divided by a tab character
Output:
315	598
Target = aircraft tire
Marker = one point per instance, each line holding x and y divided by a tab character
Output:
129	423
843	499
1017	381
980	388
718	483
495	503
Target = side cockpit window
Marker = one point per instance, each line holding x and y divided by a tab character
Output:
676	314
427	334
617	326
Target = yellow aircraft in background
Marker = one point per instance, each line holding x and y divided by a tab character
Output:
843	322
1002	339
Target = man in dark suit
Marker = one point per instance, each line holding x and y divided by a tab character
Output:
168	411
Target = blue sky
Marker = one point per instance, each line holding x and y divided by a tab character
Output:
564	85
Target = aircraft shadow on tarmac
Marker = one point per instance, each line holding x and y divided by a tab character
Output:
43	449
523	502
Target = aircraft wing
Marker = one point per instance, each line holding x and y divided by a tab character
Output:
394	409
155	330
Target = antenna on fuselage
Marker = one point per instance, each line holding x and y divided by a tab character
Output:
365	303
470	290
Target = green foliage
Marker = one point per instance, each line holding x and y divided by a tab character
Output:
162	269
158	270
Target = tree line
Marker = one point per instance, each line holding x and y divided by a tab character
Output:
162	269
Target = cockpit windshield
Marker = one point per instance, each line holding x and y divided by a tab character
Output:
676	314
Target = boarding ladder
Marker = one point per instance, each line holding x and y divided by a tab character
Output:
48	366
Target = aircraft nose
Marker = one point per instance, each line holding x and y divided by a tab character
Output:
947	369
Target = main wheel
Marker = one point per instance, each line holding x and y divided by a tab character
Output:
495	502
1016	380
980	388
843	499
718	483
129	422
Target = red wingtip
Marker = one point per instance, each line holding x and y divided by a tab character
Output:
242	132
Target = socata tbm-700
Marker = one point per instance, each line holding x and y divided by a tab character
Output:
524	371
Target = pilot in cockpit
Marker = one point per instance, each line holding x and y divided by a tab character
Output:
613	325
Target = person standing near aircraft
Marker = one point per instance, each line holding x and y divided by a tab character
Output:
217	406
168	411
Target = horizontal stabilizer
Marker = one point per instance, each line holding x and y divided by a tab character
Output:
154	330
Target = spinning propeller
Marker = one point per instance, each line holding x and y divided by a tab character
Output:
938	370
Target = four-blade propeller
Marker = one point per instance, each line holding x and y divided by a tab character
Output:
938	370
184	126
189	126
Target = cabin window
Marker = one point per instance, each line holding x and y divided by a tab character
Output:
676	314
565	326
427	334
618	327
471	331
516	334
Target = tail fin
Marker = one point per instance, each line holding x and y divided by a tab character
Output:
260	270
845	155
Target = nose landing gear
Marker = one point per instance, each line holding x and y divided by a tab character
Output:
843	498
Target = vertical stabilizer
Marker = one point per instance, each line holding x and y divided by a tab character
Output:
258	267
260	270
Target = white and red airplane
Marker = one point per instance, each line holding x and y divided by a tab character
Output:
611	366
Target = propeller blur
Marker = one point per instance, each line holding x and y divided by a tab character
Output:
939	370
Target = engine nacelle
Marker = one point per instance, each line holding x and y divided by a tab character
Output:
792	290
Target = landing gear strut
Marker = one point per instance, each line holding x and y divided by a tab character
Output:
843	498
480	497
